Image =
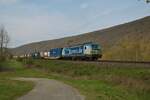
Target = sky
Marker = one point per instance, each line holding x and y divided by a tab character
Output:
36	20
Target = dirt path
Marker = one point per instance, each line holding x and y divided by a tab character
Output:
48	89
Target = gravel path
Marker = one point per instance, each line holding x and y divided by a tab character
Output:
49	89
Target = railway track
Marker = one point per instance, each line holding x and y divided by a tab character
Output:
110	61
128	62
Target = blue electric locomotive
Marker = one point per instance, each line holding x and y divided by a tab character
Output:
89	51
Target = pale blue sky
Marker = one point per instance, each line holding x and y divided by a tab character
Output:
36	20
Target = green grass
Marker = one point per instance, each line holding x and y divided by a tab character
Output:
100	90
95	81
11	89
102	81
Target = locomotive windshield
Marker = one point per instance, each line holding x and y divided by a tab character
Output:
95	47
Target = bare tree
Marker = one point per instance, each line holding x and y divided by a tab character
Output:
4	40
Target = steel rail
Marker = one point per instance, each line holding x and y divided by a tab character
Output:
120	61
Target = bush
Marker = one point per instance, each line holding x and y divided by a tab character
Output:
19	59
28	61
2	58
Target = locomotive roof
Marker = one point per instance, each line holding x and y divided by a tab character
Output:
82	44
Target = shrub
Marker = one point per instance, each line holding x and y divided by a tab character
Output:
29	61
19	59
2	58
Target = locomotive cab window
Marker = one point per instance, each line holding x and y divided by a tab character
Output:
95	47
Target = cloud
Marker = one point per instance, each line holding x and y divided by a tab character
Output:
84	5
30	23
26	29
8	1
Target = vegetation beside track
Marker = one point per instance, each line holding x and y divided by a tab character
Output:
94	80
102	81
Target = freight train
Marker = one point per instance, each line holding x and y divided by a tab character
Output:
85	51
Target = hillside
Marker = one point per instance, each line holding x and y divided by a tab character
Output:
129	41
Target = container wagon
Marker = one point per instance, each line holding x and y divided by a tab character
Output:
56	53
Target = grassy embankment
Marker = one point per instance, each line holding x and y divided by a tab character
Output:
95	81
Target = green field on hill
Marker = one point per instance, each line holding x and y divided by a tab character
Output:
95	81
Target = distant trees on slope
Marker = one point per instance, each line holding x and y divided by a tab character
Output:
130	48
